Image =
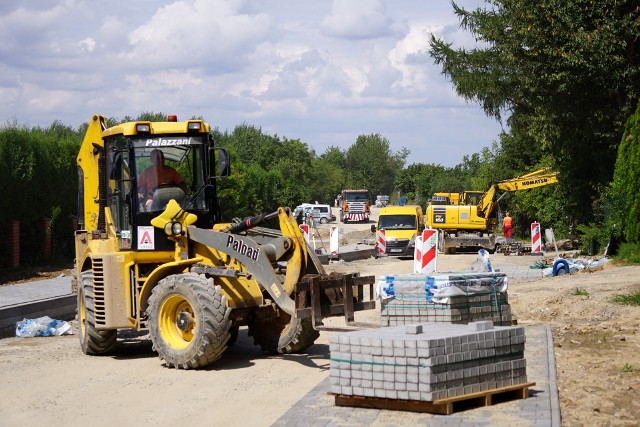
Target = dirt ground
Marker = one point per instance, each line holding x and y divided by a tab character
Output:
597	347
597	342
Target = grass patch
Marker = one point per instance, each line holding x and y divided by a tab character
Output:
628	253
628	368
580	292
627	299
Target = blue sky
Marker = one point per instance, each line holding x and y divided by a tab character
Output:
323	72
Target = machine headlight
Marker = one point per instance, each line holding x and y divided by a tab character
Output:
143	128
176	228
167	229
173	229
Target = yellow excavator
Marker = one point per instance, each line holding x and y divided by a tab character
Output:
466	224
157	257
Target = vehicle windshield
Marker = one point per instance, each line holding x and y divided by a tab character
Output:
169	167
356	197
397	222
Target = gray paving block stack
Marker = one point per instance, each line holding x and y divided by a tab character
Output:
457	298
427	362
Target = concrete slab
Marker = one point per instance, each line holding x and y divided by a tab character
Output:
542	407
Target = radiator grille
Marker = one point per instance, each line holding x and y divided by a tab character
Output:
98	291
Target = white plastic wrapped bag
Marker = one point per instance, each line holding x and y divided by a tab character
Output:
42	327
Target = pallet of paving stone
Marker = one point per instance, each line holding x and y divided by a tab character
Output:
442	406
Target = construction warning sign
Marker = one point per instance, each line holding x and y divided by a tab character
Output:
145	238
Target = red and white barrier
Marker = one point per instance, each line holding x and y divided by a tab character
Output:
381	242
305	231
334	240
426	253
356	217
536	241
417	254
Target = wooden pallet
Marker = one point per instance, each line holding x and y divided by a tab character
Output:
441	406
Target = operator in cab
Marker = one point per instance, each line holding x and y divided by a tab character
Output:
158	175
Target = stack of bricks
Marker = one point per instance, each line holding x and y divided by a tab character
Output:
416	298
427	362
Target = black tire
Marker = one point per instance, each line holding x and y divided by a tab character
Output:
92	341
188	321
283	335
323	220
441	239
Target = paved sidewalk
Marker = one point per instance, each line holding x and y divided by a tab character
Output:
49	297
541	408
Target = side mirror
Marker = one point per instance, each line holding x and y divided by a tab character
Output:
373	228
223	164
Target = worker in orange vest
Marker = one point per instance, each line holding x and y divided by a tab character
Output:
506	225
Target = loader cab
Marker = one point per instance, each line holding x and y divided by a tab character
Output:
132	208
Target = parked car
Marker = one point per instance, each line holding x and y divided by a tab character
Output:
319	213
382	201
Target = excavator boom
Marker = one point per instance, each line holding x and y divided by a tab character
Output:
535	179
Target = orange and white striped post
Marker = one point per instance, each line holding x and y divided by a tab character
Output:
536	241
381	243
334	240
305	231
426	253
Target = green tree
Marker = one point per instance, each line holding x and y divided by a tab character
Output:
624	200
325	181
39	177
566	72
419	181
371	164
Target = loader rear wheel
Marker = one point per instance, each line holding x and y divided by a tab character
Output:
92	341
188	321
283	334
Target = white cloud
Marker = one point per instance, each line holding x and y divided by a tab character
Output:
357	19
322	72
87	44
208	33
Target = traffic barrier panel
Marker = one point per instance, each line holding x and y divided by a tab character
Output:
381	242
536	241
427	257
334	240
417	255
305	231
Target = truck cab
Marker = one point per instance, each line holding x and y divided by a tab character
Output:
401	225
354	206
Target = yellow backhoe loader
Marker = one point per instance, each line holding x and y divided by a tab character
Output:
152	252
471	225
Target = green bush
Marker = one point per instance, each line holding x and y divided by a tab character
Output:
623	194
629	253
593	238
